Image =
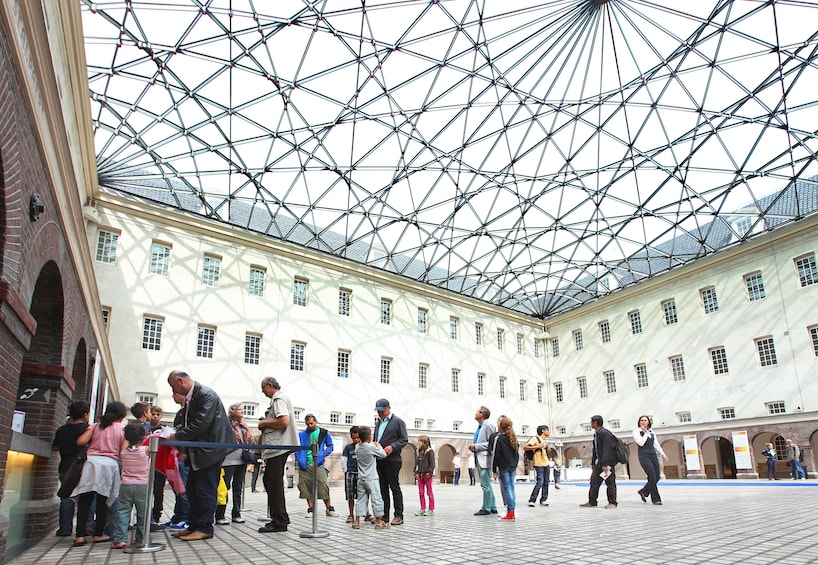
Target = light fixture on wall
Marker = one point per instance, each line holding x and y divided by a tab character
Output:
35	207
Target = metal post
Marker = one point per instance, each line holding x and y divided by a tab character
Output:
147	546
314	533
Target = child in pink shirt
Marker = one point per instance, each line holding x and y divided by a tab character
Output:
133	490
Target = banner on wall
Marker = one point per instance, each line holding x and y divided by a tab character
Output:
741	450
692	453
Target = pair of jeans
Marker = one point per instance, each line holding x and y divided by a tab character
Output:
66	516
130	496
182	506
485	483
796	469
507	476
234	478
202	487
543	478
424	491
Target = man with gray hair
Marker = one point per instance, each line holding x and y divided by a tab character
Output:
482	459
278	427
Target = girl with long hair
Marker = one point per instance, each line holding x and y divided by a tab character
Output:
424	473
505	462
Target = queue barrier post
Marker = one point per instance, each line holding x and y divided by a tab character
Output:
315	533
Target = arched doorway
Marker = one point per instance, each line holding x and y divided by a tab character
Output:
444	465
674	467
407	470
718	458
760	461
572	458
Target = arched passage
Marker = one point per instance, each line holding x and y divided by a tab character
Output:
718	458
407	469
444	465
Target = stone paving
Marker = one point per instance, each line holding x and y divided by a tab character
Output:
701	522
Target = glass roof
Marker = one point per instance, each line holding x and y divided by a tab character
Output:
532	155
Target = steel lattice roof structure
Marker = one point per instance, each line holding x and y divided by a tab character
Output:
532	155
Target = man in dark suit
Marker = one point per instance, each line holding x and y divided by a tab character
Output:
390	433
603	461
205	419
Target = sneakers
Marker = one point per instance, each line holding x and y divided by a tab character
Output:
309	513
238	520
508	516
531	504
178	526
420	513
543	503
430	512
331	511
610	505
588	505
223	522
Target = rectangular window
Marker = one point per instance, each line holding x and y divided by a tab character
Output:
540	390
807	271
605	331
501	338
813	336
727	413
418	423
615	425
610	381
536	349
344	301
300	292
481	384
766	351
204	342
555	347
423	376
777	407
718	356
250	409
349	419
523	390
455	380
386	371
334	417
210	271
677	367
582	385
386	312
160	259
152	333
252	349
520	344
641	375
558	392
710	301
106	247
562	430
755	286
636	322
297	412
453	327
585	427
577	339
106	317
478	334
430	424
255	284
502	387
148	397
343	364
296	356
422	313
457	426
683	417
669	310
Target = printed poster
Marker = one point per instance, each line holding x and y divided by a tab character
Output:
692	453
741	449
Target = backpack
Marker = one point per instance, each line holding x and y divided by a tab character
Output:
528	454
623	451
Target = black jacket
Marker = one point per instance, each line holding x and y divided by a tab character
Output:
606	444
205	419
394	435
504	454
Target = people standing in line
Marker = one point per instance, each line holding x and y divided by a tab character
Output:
100	478
390	433
314	435
141	412
772	460
65	441
181	506
424	475
537	445
133	491
794	459
367	454
649	452
235	469
482	459
603	461
205	420
349	465
159	479
278	427
470	467
504	463
456	462
557	471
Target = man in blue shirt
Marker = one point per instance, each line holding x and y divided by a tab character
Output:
482	459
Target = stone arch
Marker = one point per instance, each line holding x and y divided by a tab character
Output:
407	470
79	371
571	455
48	309
444	465
674	467
718	458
